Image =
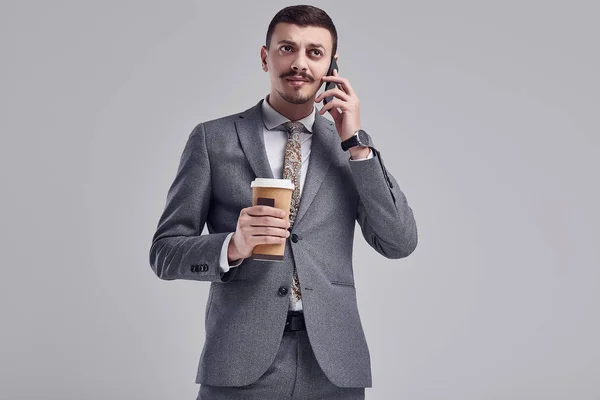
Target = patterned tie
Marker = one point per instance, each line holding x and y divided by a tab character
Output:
291	170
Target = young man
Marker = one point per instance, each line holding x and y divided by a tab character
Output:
289	329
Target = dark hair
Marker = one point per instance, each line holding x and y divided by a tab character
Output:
304	15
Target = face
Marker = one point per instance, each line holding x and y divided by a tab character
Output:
297	53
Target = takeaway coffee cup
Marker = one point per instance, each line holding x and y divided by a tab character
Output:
275	193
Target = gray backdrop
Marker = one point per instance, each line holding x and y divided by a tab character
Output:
485	112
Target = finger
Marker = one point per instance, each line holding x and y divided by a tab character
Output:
333	103
347	87
340	82
256	240
335	113
336	73
269	221
268	231
257	211
336	92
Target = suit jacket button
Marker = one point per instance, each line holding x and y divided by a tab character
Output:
282	290
294	238
193	267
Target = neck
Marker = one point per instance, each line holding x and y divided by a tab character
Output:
293	112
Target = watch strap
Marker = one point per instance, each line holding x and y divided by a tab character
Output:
350	142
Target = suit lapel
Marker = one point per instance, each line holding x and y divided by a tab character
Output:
249	126
321	152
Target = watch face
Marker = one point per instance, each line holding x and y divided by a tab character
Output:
363	137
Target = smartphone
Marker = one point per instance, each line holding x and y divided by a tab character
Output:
330	85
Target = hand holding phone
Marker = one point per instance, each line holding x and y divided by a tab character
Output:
330	85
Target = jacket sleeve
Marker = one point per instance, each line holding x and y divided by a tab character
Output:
178	250
385	218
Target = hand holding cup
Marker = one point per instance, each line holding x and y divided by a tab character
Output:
258	225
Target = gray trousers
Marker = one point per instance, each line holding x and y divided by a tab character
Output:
294	375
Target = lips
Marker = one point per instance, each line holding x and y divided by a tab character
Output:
297	82
297	79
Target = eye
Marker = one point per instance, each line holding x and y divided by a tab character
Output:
285	45
319	51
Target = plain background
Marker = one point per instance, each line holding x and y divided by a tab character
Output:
485	112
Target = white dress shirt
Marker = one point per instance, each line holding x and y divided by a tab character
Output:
275	139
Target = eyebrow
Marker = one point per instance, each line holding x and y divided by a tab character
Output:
294	43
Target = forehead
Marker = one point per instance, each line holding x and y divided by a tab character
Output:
302	35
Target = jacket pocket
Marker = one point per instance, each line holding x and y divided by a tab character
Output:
342	283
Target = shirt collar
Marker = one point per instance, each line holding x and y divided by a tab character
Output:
272	118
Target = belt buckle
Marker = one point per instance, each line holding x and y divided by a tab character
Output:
294	321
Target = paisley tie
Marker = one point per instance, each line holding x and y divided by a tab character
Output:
292	164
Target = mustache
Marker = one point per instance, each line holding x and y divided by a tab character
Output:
300	75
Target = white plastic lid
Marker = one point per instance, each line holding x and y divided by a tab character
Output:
273	183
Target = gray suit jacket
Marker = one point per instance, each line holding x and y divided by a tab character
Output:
247	306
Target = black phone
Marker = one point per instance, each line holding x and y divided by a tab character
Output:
330	85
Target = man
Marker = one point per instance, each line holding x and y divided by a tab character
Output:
289	329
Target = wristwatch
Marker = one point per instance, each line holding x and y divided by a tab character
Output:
360	138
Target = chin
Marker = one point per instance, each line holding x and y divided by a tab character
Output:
296	97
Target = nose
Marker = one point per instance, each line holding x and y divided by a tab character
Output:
299	63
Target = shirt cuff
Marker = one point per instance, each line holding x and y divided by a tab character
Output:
223	262
362	159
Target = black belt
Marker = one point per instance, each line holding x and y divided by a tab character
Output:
295	321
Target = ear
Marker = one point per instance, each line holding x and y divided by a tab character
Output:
263	58
335	57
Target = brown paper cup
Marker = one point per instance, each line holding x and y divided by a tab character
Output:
275	193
